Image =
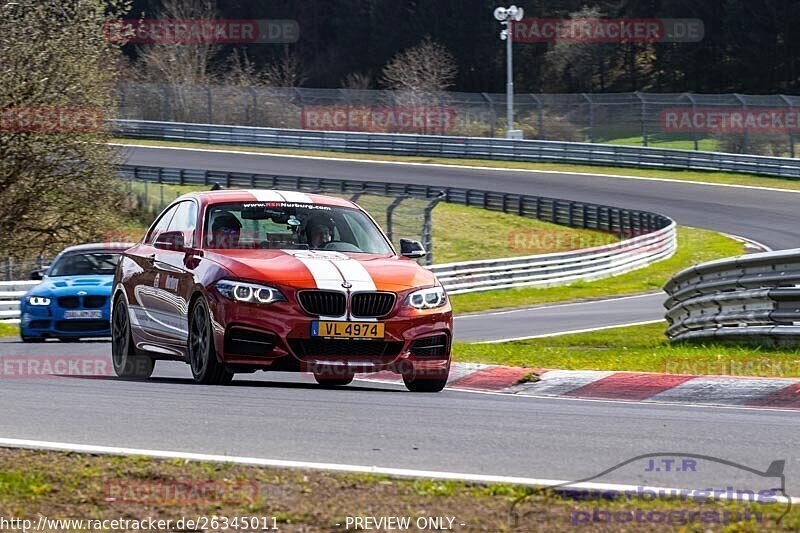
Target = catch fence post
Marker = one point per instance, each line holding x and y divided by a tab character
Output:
390	217
427	230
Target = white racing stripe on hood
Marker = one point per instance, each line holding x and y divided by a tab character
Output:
325	275
331	269
265	195
296	197
354	273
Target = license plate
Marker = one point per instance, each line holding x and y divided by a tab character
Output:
347	330
69	315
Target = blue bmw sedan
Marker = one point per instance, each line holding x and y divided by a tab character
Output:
73	299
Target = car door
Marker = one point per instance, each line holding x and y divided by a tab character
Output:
146	305
175	275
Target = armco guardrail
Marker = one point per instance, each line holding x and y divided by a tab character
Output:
10	293
461	147
558	268
653	235
752	297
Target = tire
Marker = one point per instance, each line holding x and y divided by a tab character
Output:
25	338
334	380
127	363
206	369
426	382
69	339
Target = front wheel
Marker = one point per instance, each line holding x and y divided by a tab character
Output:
206	369
127	363
426	381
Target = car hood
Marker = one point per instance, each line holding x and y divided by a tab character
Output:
325	270
69	285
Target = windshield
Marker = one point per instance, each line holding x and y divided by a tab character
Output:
85	264
285	225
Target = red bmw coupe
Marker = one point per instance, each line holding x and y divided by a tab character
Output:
241	280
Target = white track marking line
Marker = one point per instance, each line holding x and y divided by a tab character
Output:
336	467
554	306
471	167
751	242
559	333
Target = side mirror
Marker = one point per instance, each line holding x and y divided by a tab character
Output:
412	249
37	274
171	240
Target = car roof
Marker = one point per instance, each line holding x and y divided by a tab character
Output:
100	247
268	195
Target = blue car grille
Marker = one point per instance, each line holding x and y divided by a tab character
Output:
93	302
88	302
69	302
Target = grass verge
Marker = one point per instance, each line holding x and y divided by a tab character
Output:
637	349
694	246
727	178
8	330
67	485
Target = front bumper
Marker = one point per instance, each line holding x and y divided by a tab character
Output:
51	321
278	337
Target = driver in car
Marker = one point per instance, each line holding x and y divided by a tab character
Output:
225	231
320	232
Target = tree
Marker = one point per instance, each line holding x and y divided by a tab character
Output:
357	81
180	66
427	67
57	71
574	65
287	71
179	62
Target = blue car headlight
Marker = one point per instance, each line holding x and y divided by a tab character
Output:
38	300
427	298
251	293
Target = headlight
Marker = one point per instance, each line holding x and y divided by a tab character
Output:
250	293
427	298
38	300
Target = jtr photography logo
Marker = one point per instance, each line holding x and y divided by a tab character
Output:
667	488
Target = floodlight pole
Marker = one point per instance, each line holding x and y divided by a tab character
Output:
509	79
507	16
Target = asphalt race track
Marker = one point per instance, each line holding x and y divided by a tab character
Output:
287	417
558	318
284	416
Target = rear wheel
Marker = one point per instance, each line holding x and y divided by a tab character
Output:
206	369
127	363
426	381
